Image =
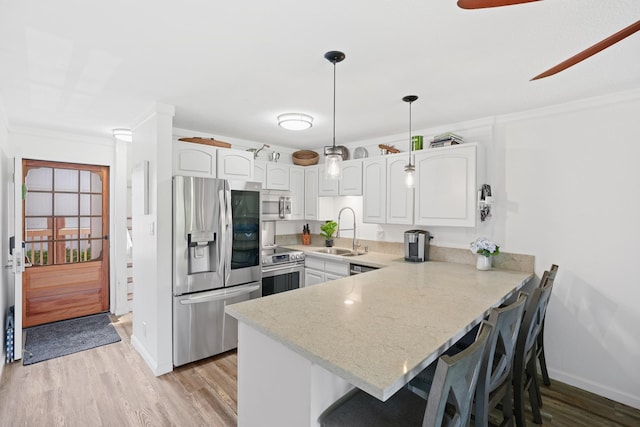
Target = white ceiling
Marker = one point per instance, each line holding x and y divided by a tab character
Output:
230	67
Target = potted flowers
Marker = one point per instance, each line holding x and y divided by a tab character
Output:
485	249
327	230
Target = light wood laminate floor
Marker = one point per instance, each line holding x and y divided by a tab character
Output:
112	386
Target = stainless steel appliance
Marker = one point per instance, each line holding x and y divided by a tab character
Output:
416	245
359	269
216	261
282	270
276	205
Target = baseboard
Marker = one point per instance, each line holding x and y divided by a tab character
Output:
151	362
599	389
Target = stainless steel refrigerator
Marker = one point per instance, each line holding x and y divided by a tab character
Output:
216	261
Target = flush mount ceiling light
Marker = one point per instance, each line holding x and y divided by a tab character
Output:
410	168
123	134
295	121
333	154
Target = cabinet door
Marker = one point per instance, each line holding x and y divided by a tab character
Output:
351	182
296	186
329	276
446	189
277	176
399	197
326	187
235	164
339	269
311	193
260	172
194	160
374	191
313	277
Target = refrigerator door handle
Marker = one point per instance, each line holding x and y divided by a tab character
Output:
222	248
220	295
229	232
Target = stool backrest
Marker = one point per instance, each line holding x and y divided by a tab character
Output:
533	319
455	382
495	369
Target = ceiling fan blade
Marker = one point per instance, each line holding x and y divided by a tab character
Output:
602	45
481	4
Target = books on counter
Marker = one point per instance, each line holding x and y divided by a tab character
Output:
446	139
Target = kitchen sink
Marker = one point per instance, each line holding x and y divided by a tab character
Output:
333	251
354	254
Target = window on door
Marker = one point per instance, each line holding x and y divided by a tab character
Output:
63	213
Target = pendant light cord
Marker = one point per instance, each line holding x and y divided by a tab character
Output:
334	105
410	141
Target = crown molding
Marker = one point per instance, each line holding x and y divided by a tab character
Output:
571	107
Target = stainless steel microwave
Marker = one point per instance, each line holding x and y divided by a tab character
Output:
276	205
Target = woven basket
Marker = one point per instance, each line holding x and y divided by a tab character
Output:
305	158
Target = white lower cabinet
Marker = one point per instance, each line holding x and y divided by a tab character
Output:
320	270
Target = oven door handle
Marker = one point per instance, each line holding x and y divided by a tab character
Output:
275	271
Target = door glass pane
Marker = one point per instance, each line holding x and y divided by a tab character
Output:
37	204
66	204
66	228
85	181
38	252
39	179
91	250
66	180
71	252
37	229
96	183
245	210
96	227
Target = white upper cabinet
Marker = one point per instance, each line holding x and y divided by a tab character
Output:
277	176
399	197
374	191
260	172
446	186
351	182
191	159
311	192
326	187
296	186
235	164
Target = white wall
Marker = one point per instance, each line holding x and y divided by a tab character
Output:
6	297
567	192
152	255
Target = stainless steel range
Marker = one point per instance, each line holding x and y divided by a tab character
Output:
282	270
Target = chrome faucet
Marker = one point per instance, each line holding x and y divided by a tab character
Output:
355	242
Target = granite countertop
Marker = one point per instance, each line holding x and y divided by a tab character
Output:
377	330
371	259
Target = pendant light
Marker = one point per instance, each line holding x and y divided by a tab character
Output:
410	169
333	154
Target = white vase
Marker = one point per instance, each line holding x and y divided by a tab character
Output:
483	262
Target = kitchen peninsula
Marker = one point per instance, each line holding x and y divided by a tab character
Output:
299	351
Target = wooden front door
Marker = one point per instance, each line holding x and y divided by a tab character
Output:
66	225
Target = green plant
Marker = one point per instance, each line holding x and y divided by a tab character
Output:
327	229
